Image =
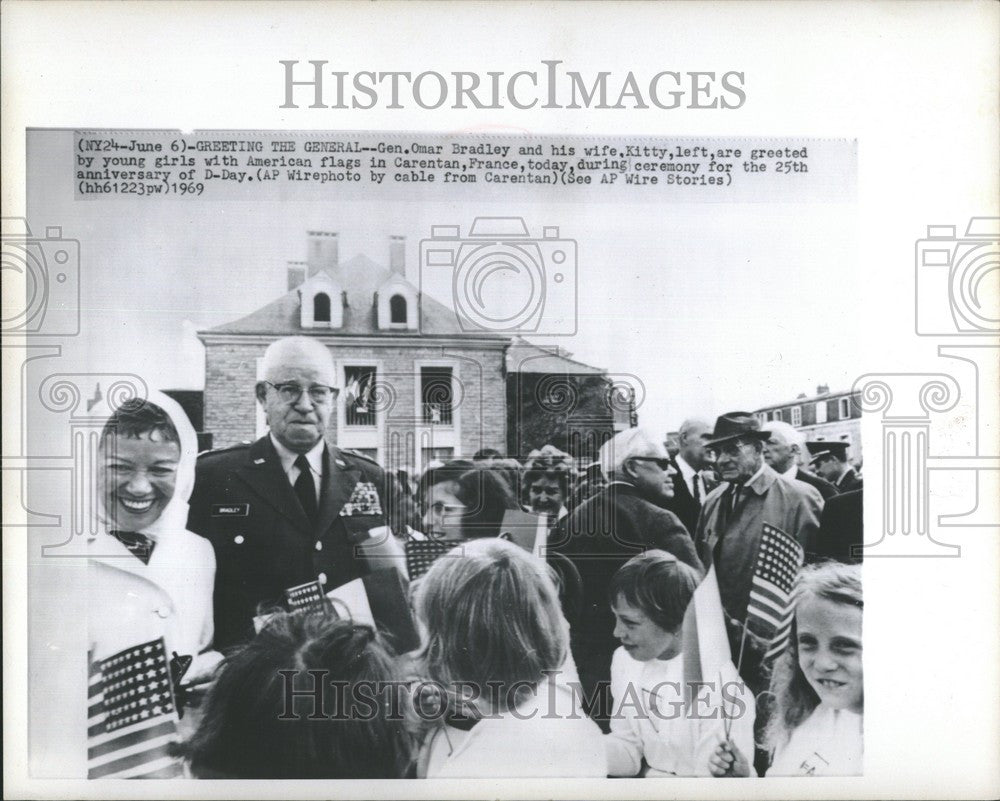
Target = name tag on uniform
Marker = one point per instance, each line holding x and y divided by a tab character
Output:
230	509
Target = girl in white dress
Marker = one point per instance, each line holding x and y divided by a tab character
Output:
654	732
816	722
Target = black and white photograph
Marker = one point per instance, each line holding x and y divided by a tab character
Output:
488	457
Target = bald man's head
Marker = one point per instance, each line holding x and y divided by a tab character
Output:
691	439
298	391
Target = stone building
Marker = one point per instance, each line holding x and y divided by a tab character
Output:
830	416
415	386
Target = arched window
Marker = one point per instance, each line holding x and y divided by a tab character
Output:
321	307
397	309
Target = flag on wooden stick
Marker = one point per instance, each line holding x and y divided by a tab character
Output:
704	642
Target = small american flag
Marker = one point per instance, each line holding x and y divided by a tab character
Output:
770	609
422	554
132	716
305	596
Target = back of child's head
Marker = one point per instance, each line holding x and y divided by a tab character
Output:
255	727
792	699
657	583
492	619
137	418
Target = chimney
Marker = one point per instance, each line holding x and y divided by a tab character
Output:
823	389
322	253
397	254
296	274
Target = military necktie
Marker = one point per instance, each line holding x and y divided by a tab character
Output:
139	545
305	487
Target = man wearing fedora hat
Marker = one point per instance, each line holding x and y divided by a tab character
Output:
733	517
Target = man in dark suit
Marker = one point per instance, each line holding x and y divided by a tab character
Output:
829	459
600	535
691	482
287	509
785	450
841	529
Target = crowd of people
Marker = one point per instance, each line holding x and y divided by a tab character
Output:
562	660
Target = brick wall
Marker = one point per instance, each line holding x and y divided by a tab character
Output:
230	406
231	372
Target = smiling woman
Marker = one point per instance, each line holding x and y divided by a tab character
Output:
141	451
148	577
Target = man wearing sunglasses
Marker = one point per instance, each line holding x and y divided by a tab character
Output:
287	509
626	517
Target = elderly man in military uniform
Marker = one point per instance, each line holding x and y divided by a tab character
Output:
287	509
829	459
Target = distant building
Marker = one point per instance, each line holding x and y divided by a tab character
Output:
555	399
830	416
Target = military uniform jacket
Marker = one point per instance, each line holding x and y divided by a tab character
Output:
264	543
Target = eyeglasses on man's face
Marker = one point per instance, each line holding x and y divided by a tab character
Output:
291	392
663	464
734	448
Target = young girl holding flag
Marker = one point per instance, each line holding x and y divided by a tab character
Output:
664	723
817	685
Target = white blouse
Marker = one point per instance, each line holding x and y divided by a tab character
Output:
827	743
650	721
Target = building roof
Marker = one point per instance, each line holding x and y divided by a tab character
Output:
825	396
527	357
361	278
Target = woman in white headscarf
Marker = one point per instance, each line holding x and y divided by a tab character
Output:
148	576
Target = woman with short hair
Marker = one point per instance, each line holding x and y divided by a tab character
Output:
464	500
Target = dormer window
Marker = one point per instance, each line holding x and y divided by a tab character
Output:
321	302
321	308
397	310
396	301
